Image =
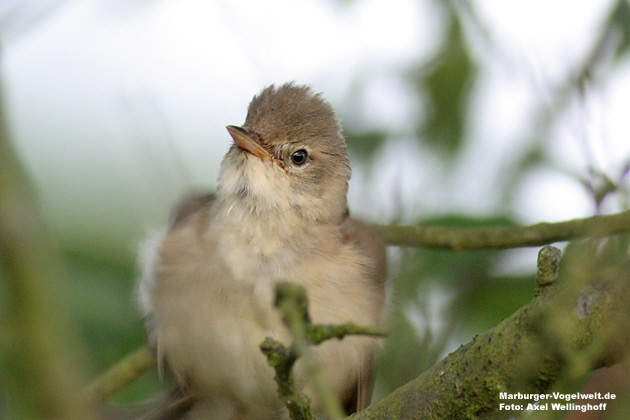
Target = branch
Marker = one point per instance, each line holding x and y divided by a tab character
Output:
121	374
552	343
137	363
292	302
282	359
501	237
317	333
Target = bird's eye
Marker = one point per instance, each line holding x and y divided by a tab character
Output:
299	157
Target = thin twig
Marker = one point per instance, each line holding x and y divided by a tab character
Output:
292	302
121	374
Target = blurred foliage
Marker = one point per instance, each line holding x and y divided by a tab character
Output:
474	297
103	297
446	80
442	298
102	294
619	21
365	144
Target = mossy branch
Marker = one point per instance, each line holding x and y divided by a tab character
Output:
501	237
552	343
317	333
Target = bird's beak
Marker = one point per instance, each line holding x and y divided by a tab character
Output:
245	141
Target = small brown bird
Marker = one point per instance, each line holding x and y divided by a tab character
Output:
279	214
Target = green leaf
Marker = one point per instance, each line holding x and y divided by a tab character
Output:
447	85
620	18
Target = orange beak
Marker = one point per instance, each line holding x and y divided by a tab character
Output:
245	141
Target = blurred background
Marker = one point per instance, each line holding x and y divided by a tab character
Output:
458	113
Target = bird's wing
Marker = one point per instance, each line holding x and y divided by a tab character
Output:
174	404
190	206
194	205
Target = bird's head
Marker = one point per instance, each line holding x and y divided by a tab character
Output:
289	155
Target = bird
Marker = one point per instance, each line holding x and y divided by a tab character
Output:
279	213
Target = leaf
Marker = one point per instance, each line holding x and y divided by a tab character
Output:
447	85
620	18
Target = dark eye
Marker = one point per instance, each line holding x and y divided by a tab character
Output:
299	157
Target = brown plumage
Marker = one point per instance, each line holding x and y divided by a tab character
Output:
279	214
